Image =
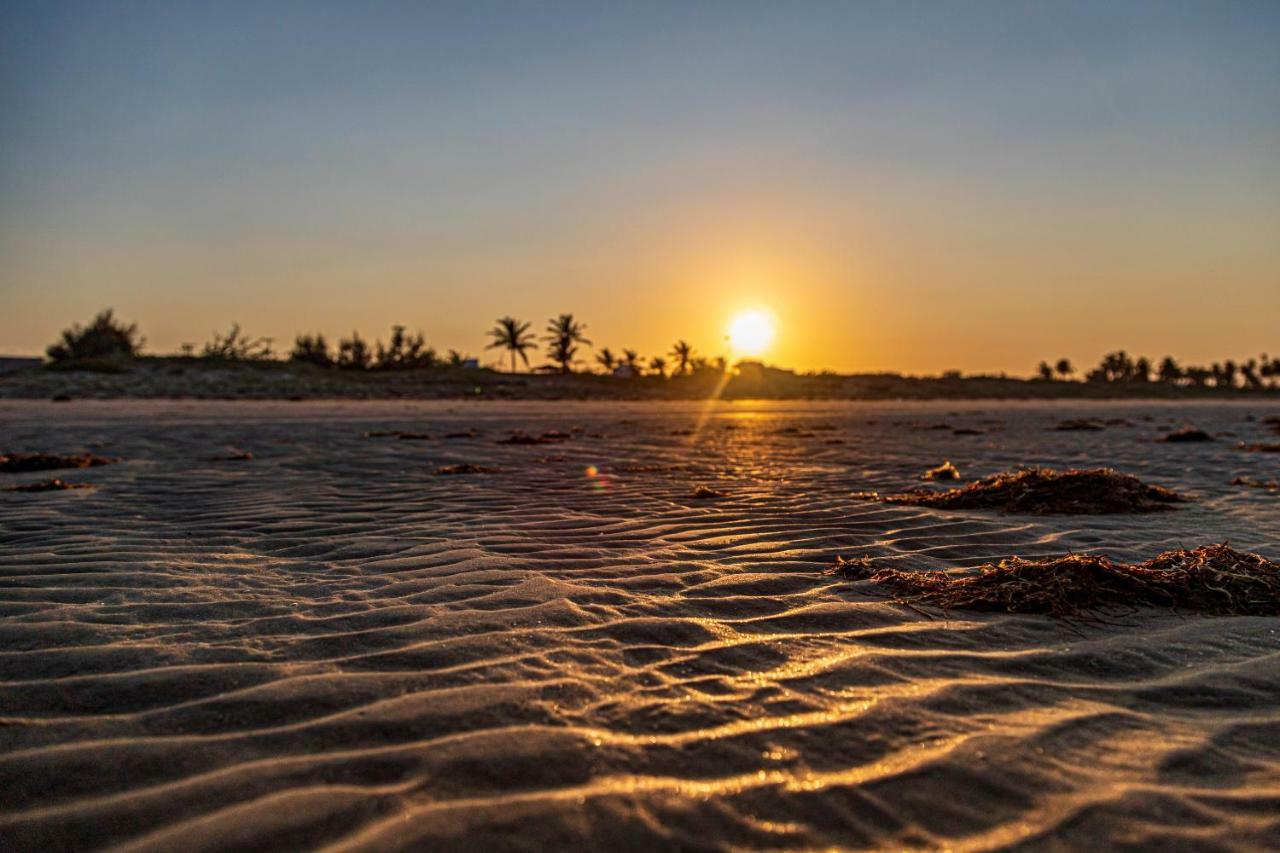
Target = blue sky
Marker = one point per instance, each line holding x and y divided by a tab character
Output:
906	186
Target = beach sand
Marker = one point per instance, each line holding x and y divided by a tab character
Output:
331	644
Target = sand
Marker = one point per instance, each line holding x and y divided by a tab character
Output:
328	645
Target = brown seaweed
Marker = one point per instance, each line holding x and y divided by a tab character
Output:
1044	491
54	485
1187	435
945	471
19	463
1213	579
464	468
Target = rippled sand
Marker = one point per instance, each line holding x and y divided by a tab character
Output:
329	644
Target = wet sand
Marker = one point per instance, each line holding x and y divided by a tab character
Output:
334	643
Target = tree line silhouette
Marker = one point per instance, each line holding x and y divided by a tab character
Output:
564	338
1121	368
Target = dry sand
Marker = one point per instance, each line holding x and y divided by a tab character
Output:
327	644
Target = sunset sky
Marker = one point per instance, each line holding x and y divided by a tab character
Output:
910	187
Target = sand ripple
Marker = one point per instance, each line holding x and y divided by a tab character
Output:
328	645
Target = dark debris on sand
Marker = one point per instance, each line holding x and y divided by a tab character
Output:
702	493
1261	448
553	437
1044	491
470	433
19	463
1213	579
244	456
399	434
1080	425
967	431
465	468
50	486
945	471
1252	482
1187	435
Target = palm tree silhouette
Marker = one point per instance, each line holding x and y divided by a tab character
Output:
1064	368
513	336
606	359
683	354
563	336
631	359
658	365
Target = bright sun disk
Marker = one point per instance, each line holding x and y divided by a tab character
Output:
750	333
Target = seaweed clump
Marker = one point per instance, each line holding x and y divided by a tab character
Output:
465	468
1213	579
552	437
1080	425
20	463
1186	435
706	493
1044	491
1269	485
1261	447
54	485
945	471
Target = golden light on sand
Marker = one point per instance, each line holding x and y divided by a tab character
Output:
750	333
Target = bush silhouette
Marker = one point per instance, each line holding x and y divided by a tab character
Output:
311	349
105	337
353	353
236	346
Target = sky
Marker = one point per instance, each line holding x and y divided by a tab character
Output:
904	186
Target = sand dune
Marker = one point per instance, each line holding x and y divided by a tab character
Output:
329	645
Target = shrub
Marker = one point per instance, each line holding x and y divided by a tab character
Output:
105	337
310	349
404	352
237	346
353	353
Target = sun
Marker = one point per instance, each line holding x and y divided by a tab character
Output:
750	333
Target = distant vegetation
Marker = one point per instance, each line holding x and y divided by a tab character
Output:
564	334
106	342
402	352
104	338
1120	368
513	336
235	345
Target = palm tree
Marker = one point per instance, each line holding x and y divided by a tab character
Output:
1249	373
1045	371
1229	371
563	336
1065	368
1267	369
683	354
658	365
606	359
513	336
631	359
